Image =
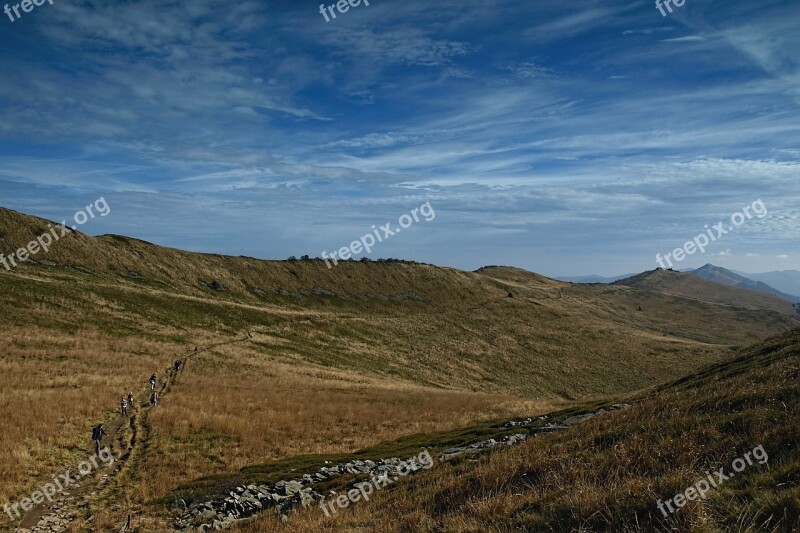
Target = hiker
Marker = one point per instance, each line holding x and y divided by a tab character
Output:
130	400
98	433
195	349
124	406
153	382
154	399
177	365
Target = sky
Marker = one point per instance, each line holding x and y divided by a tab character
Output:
566	138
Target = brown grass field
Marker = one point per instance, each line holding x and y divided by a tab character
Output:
297	359
609	473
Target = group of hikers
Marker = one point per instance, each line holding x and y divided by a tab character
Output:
125	403
98	432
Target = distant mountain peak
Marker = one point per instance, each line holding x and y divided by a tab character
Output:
727	277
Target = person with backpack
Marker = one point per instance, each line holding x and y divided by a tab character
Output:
154	399
98	432
130	400
124	406
153	382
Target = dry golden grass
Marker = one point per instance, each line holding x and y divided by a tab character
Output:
54	388
608	473
321	373
233	407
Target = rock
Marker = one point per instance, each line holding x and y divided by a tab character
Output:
285	495
516	439
279	498
208	514
294	486
307	498
571	421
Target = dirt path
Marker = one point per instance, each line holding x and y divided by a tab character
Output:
126	435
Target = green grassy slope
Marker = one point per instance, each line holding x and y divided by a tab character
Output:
427	324
609	473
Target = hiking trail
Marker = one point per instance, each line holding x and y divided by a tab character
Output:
126	437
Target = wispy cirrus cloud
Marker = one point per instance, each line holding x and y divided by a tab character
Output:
594	131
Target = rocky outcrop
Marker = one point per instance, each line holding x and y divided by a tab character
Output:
482	446
246	501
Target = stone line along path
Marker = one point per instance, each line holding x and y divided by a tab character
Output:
245	502
73	503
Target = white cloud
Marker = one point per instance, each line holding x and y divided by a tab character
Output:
530	71
686	39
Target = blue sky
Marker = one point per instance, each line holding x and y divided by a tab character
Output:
567	138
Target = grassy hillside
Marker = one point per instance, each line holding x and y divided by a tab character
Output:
116	259
692	286
430	325
610	473
299	359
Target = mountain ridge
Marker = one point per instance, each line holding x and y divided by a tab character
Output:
728	277
691	286
787	281
293	352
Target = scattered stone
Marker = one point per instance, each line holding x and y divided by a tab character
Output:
246	501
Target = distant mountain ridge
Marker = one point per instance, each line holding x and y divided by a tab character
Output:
727	277
787	281
696	287
784	284
593	278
